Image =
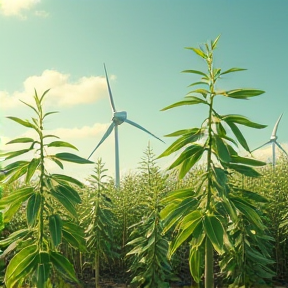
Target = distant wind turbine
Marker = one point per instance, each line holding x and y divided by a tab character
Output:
273	141
118	118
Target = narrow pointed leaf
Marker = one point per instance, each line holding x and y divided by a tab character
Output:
21	140
215	232
239	135
60	178
69	157
63	266
195	72
33	207
25	123
191	101
21	263
55	228
232	70
61	144
32	167
242	121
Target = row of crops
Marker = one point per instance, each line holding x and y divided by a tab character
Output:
215	218
121	237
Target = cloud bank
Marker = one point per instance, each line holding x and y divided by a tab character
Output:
63	92
16	7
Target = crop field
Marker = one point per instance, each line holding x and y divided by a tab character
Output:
214	218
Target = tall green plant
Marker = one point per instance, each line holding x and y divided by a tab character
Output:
148	247
98	218
35	248
201	214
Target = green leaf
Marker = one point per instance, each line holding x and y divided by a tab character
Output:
61	144
190	137
72	158
13	154
43	271
65	202
185	232
33	207
190	162
49	113
33	165
55	228
249	212
60	178
245	170
198	52
195	72
214	44
189	152
247	161
242	121
21	265
239	135
195	262
181	132
63	266
232	70
191	101
59	163
21	140
13	237
68	192
243	93
203	92
25	123
222	150
17	196
215	232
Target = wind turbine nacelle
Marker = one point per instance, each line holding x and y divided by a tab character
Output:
119	117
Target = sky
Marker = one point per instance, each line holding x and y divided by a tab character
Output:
62	45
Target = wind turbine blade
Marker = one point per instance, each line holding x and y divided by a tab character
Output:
262	145
142	128
273	135
281	148
110	93
107	133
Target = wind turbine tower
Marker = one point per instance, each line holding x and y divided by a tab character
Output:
118	117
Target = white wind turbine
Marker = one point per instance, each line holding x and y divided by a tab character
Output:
273	141
118	118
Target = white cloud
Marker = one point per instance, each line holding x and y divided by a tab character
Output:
15	7
41	14
265	153
80	133
62	91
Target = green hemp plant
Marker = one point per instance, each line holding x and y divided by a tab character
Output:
50	201
201	214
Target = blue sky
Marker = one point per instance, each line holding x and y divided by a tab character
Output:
62	45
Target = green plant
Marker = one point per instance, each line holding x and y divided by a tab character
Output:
35	248
201	214
98	218
150	266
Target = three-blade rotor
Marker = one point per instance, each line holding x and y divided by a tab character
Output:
118	118
273	141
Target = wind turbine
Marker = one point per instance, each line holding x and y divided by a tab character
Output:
273	141
118	118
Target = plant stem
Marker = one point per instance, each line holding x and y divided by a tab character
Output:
42	172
